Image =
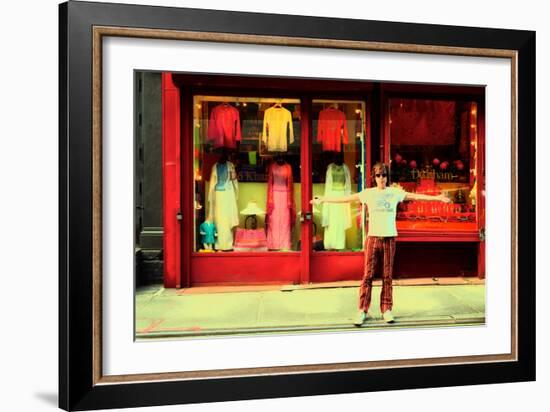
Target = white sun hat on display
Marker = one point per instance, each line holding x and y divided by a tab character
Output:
252	209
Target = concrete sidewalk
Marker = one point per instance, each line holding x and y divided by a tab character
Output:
208	311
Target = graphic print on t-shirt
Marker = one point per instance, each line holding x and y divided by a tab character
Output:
383	203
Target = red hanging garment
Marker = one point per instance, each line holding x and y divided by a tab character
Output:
332	129
224	127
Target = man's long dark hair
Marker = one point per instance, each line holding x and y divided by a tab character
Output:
380	168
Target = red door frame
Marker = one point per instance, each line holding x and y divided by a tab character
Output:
188	187
171	185
305	177
480	198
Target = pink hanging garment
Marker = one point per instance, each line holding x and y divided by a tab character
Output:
280	207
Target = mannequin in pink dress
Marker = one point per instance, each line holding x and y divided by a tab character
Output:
281	212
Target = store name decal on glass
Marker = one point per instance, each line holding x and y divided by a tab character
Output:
430	174
251	176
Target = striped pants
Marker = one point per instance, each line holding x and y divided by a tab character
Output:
376	249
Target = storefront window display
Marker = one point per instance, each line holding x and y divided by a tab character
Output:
433	150
247	174
338	169
244	156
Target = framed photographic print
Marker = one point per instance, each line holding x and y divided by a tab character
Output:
248	201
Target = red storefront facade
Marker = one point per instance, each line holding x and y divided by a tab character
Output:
433	137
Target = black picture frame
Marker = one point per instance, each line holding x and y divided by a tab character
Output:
79	388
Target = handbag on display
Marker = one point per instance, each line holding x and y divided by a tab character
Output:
250	240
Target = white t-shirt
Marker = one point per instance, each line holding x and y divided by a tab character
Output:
382	206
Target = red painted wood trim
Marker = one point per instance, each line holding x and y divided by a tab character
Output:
423	235
335	253
272	85
367	143
238	255
170	180
433	89
307	190
187	186
334	267
440	238
326	266
385	142
240	268
481	184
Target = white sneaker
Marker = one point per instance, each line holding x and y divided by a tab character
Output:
360	318
388	316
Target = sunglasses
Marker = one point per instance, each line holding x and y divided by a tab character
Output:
381	175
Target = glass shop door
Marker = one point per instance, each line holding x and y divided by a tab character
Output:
338	168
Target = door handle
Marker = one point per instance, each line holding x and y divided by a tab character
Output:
482	234
306	216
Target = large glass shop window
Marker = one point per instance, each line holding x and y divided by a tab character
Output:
247	174
434	151
338	170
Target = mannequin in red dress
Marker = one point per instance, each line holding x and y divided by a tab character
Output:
281	212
